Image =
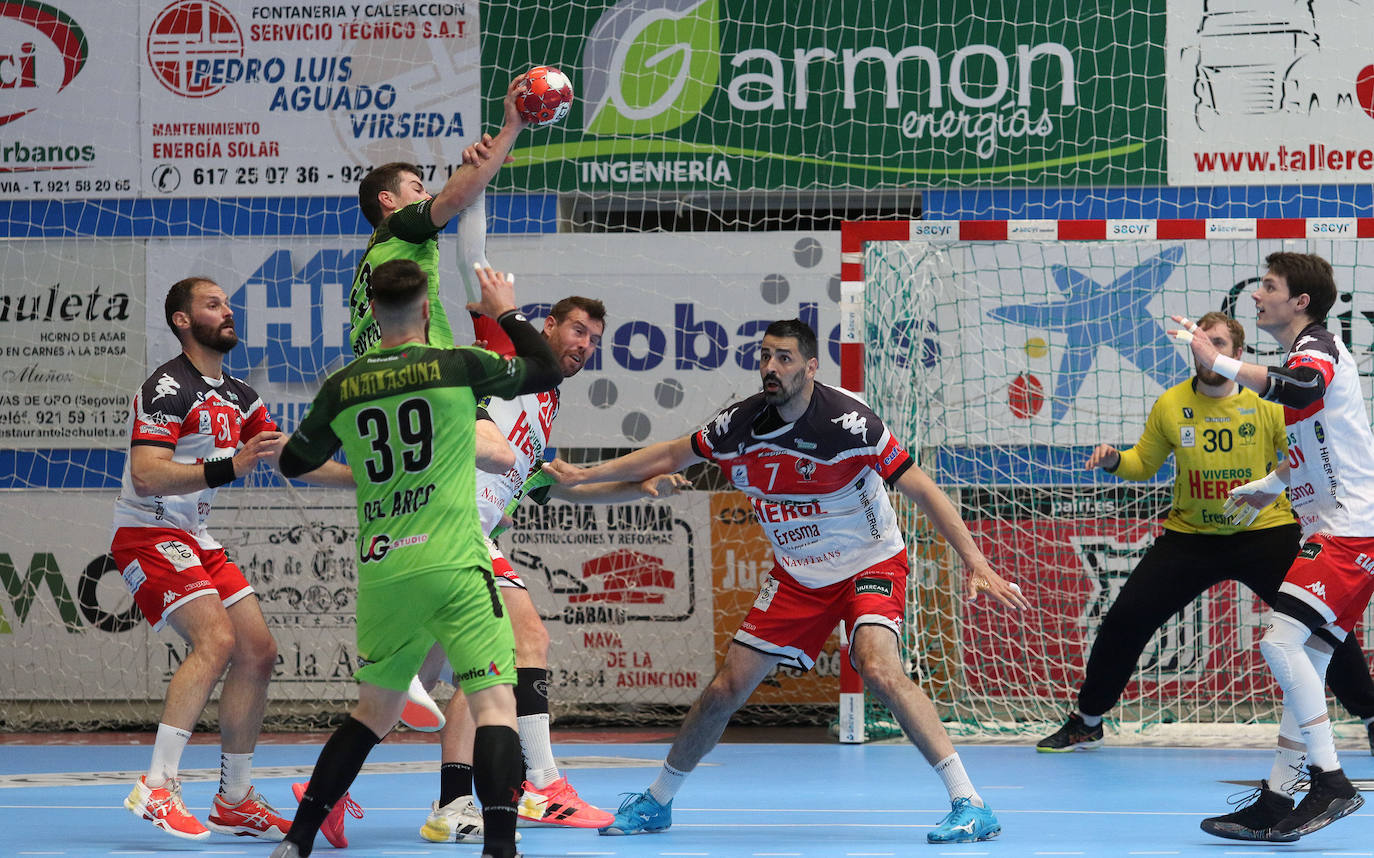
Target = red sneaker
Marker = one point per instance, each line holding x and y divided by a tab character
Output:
333	826
163	807
252	817
559	804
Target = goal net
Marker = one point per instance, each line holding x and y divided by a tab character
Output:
1004	360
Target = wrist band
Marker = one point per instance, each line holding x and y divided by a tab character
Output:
1227	366
218	472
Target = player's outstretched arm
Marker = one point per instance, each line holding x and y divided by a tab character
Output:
494	454
661	486
470	179
154	473
921	489
331	474
1251	375
665	457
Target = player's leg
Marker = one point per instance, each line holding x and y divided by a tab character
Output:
548	797
650	811
156	796
1264	562
338	765
1174	571
454	817
238	808
163	570
476	633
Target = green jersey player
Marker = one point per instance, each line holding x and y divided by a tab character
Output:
404	414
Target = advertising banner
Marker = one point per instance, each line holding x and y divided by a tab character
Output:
736	96
625	593
684	315
244	98
69	100
1265	93
71	342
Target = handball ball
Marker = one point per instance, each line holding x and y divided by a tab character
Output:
545	97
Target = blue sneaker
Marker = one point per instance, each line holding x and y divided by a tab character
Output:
965	823
640	813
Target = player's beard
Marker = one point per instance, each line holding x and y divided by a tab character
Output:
1209	377
783	394
218	337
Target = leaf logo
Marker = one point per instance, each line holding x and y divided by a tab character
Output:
650	65
21	70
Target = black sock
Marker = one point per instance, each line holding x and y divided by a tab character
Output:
531	691
339	763
497	776
455	781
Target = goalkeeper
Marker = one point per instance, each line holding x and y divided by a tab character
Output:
1221	435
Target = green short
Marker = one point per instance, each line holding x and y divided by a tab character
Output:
399	620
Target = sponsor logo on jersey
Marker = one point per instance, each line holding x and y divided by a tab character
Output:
739	475
854	424
1187	436
1245	411
1187	413
382	544
881	586
806	468
1365	562
1310	551
166	386
1318	588
476	673
804	445
1318	431
722	421
766	593
1247	430
205	423
1303	341
891	456
134	576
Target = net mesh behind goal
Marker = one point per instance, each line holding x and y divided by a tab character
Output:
1004	362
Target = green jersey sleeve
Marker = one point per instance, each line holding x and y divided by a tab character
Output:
407	234
314	441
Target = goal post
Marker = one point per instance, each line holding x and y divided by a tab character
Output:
1002	352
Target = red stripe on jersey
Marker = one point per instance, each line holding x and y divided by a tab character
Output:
486	329
1297	415
892	457
1316	361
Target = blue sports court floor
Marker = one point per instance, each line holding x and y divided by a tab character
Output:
746	801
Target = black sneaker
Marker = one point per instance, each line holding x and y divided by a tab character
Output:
1255	820
1369	731
1330	797
1074	734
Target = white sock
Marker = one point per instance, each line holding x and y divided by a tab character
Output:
669	781
951	771
1321	745
1287	770
167	748
1090	720
235	776
534	742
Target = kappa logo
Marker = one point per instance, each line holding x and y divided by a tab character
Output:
166	386
723	421
1303	341
855	424
168	598
1318	588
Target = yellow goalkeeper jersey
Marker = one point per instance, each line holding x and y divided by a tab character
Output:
1218	444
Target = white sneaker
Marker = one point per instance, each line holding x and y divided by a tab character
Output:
459	821
421	712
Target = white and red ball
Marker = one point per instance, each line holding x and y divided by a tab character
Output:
545	97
